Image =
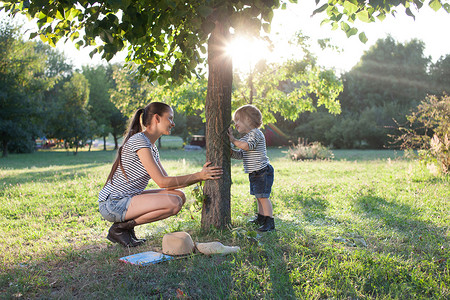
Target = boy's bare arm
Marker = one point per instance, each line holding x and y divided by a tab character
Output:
238	143
241	144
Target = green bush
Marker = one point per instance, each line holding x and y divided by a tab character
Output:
428	130
21	146
305	151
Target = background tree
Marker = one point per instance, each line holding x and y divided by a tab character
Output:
71	121
130	92
166	38
440	75
389	80
58	70
22	83
57	65
118	124
188	100
109	120
289	88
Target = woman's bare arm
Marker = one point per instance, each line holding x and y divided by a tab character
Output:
159	175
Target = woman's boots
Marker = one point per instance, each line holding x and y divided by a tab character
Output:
123	233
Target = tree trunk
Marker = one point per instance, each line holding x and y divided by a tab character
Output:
116	143
5	148
104	143
216	207
76	146
250	78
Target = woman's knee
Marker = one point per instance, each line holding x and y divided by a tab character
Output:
180	194
176	203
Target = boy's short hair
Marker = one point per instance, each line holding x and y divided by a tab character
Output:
251	112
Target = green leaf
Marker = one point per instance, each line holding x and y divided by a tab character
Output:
208	26
79	44
381	17
435	5
418	3
42	16
362	37
204	11
283	6
363	16
160	47
334	26
60	13
350	7
447	7
320	9
74	35
43	38
73	13
409	13
269	16
161	80
266	27
115	4
352	31
345	27
325	21
91	54
171	4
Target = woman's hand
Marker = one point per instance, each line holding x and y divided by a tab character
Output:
210	172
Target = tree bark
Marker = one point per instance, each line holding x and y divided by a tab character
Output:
104	143
216	210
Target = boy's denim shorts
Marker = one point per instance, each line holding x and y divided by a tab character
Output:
114	210
261	182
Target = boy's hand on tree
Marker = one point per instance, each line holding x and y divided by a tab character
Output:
230	135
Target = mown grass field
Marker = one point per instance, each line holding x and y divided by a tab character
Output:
367	225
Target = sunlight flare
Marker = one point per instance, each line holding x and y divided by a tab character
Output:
246	52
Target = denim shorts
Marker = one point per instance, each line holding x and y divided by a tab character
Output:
261	182
114	210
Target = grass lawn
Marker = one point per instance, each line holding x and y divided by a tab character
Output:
368	224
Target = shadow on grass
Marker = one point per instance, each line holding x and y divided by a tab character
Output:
403	222
95	272
311	205
279	272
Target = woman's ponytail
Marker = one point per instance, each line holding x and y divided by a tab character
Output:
134	127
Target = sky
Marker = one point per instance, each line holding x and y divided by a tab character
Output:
429	26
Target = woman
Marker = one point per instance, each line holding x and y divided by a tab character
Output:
123	199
